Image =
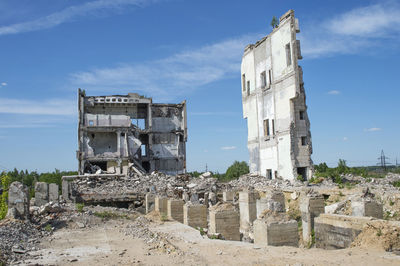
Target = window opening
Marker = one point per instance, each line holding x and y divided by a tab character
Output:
266	127
288	55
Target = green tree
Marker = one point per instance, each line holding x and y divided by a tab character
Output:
342	166
5	184
274	22
321	168
236	169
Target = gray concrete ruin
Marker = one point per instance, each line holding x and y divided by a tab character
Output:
123	133
274	104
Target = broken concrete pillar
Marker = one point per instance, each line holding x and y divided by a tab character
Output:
212	198
311	206
276	233
275	201
161	205
175	210
228	196
41	193
18	201
333	231
185	197
149	202
366	207
247	207
195	215
224	219
53	192
206	201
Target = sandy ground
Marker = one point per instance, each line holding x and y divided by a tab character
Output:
105	244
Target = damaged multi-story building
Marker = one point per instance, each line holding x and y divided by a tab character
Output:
123	133
274	104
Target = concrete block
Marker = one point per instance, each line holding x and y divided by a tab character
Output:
310	207
365	207
149	202
333	231
175	210
228	196
195	215
225	221
276	233
18	201
53	192
41	193
275	201
161	205
247	208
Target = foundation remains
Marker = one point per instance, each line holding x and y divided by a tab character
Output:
333	231
149	202
161	205
311	206
274	104
275	229
18	201
224	219
129	133
175	210
248	209
195	215
366	207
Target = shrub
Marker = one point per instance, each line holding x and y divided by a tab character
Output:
236	169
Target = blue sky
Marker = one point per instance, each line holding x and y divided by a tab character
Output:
185	49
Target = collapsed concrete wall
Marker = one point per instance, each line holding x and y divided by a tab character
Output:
122	133
274	104
18	201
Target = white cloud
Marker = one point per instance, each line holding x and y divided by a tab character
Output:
333	92
228	148
373	129
345	139
72	13
353	31
3	84
38	107
171	76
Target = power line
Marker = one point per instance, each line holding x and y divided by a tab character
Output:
383	161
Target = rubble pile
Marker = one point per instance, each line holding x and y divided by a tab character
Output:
158	183
157	241
17	239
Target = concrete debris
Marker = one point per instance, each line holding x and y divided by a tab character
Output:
18	201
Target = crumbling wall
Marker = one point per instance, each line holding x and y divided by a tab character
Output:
273	96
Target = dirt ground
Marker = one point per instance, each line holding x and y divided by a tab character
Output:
106	243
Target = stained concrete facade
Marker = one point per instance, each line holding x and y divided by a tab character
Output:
274	104
119	133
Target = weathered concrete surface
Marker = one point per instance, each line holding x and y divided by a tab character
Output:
41	193
228	196
333	231
195	215
161	205
149	202
18	201
53	192
247	208
224	219
311	206
276	233
175	209
366	207
274	201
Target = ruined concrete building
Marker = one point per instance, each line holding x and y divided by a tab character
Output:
274	104
122	133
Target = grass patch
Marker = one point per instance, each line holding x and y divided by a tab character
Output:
164	217
110	215
396	184
48	228
79	207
